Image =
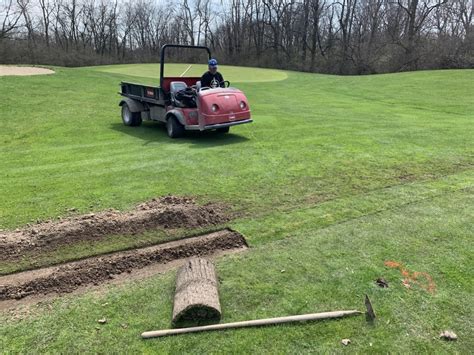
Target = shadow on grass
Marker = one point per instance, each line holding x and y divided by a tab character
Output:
154	132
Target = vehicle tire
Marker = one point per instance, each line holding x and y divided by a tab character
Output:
223	130
130	118
174	128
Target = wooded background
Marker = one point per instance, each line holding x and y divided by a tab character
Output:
343	37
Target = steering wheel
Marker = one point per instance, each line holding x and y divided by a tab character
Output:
222	82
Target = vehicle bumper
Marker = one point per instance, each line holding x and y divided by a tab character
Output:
216	126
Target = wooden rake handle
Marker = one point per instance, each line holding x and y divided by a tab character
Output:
251	323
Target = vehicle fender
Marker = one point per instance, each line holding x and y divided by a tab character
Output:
133	105
178	114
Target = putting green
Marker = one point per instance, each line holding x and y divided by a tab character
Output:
231	73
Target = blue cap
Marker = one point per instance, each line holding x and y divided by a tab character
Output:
212	62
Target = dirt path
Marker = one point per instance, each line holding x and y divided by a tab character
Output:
167	213
96	271
23	71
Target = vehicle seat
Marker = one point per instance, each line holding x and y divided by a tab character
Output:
198	85
176	86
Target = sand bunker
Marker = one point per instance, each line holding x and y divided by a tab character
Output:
23	71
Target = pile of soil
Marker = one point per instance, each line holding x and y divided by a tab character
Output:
97	270
168	212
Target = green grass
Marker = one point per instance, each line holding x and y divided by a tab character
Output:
335	176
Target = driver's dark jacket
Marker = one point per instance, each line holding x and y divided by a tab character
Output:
212	80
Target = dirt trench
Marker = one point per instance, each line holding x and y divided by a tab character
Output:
168	212
98	270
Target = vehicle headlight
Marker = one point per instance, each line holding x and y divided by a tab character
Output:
214	108
243	105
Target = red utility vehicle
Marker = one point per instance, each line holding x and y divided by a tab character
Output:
183	104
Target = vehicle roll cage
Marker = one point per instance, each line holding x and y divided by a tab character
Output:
162	56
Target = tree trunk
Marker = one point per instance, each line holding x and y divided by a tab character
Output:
196	296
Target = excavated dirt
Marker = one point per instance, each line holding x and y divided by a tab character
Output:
71	276
167	213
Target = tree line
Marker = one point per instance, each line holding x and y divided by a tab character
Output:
343	37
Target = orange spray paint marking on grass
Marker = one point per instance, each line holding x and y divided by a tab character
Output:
413	278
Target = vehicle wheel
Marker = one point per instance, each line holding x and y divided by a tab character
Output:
174	128
130	118
223	130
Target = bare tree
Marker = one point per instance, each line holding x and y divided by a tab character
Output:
367	43
465	11
186	16
47	8
416	14
346	13
10	18
317	7
25	6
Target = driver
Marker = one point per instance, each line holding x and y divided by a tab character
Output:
212	78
